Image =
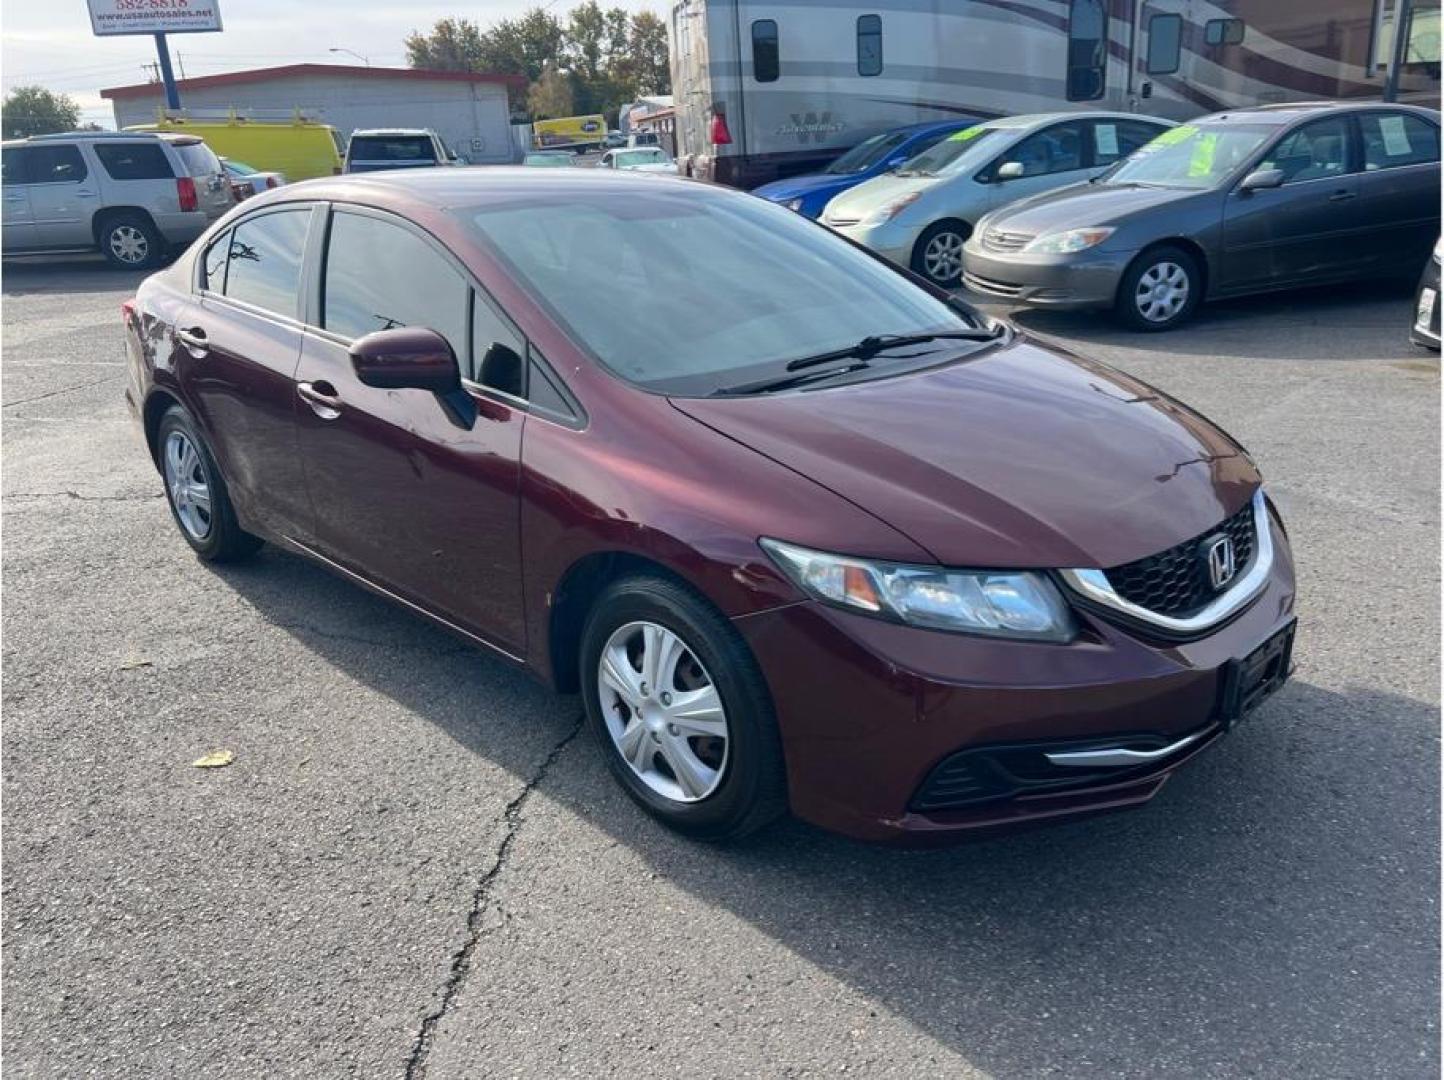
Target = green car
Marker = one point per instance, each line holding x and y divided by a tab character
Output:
549	159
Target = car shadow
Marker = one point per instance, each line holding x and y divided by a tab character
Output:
1260	917
65	274
1359	321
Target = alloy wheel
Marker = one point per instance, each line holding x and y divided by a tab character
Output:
1162	291
943	256
129	244
663	711
189	487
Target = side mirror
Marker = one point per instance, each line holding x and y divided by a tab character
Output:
413	358
1009	170
1260	179
502	369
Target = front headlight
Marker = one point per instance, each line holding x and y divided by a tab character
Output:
997	603
1438	248
888	211
1065	243
794	205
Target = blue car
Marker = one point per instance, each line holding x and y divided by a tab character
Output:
871	157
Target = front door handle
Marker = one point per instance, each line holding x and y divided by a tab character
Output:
195	340
1340	196
322	398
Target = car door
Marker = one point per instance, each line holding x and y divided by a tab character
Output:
1311	228
64	195
1050	158
1399	188
237	346
404	494
15	213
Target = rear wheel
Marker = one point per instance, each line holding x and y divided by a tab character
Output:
676	700
131	241
938	254
1160	290
196	493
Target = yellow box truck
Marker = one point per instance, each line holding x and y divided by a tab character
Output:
569	132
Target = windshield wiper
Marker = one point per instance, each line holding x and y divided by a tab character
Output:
861	352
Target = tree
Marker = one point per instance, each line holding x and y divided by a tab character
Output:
551	95
34	110
452	45
648	68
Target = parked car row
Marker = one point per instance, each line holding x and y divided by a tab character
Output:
1114	210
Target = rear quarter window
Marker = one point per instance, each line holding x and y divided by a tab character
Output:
134	161
197	159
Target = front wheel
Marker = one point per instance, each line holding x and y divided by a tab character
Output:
681	711
938	254
1160	290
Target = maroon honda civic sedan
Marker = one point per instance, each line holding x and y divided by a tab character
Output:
804	532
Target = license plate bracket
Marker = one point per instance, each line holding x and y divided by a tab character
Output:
1248	681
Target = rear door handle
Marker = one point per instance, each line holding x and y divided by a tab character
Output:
195	340
322	398
1340	196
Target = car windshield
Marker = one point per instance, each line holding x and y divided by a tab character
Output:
690	291
240	168
391	148
642	157
948	156
1191	156
866	154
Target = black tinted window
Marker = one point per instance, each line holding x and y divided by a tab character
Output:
1114	139
1087	49
869	44
488	328
197	158
16	159
56	165
1223	31
766	65
1165	44
265	261
1395	139
134	161
391	148
380	276
1053	150
213	266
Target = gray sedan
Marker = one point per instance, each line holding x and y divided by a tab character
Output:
1238	202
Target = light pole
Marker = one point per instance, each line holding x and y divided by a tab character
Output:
358	56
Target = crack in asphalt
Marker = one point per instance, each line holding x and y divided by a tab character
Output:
70	494
418	1060
63	390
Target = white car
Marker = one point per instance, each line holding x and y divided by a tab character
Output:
651	159
920	214
246	181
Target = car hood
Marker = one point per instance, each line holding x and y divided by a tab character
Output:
1021	456
1082	205
797	186
862	200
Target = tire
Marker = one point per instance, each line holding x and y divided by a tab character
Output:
941	248
1167	269
131	242
741	785
188	470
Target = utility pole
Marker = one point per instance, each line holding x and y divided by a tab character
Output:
162	52
1402	12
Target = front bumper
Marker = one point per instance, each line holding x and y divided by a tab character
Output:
1425	331
892	240
870	711
1084	279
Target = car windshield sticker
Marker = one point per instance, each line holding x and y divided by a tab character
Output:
1169	138
1396	138
1105	140
967	133
1201	163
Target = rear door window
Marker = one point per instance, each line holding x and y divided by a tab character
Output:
134	161
869	44
56	165
380	275
766	62
16	166
1392	140
264	264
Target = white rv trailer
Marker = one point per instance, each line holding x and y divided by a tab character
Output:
771	88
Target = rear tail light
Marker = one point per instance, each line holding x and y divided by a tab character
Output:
127	310
185	189
270	181
719	135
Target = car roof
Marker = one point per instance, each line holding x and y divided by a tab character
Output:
1029	120
392	131
176	138
1283	113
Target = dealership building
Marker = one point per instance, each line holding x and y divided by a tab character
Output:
467	109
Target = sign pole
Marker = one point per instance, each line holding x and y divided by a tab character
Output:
167	76
1400	51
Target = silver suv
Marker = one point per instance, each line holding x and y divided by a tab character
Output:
131	195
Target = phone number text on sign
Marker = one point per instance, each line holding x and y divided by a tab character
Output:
154	16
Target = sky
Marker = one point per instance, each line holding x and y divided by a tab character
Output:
49	41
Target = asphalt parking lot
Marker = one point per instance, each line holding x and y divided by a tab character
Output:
416	867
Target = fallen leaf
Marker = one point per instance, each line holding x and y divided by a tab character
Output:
131	665
216	759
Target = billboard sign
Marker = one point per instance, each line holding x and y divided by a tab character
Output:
112	17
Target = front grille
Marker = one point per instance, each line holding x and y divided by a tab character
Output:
988	285
998	240
1176	582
